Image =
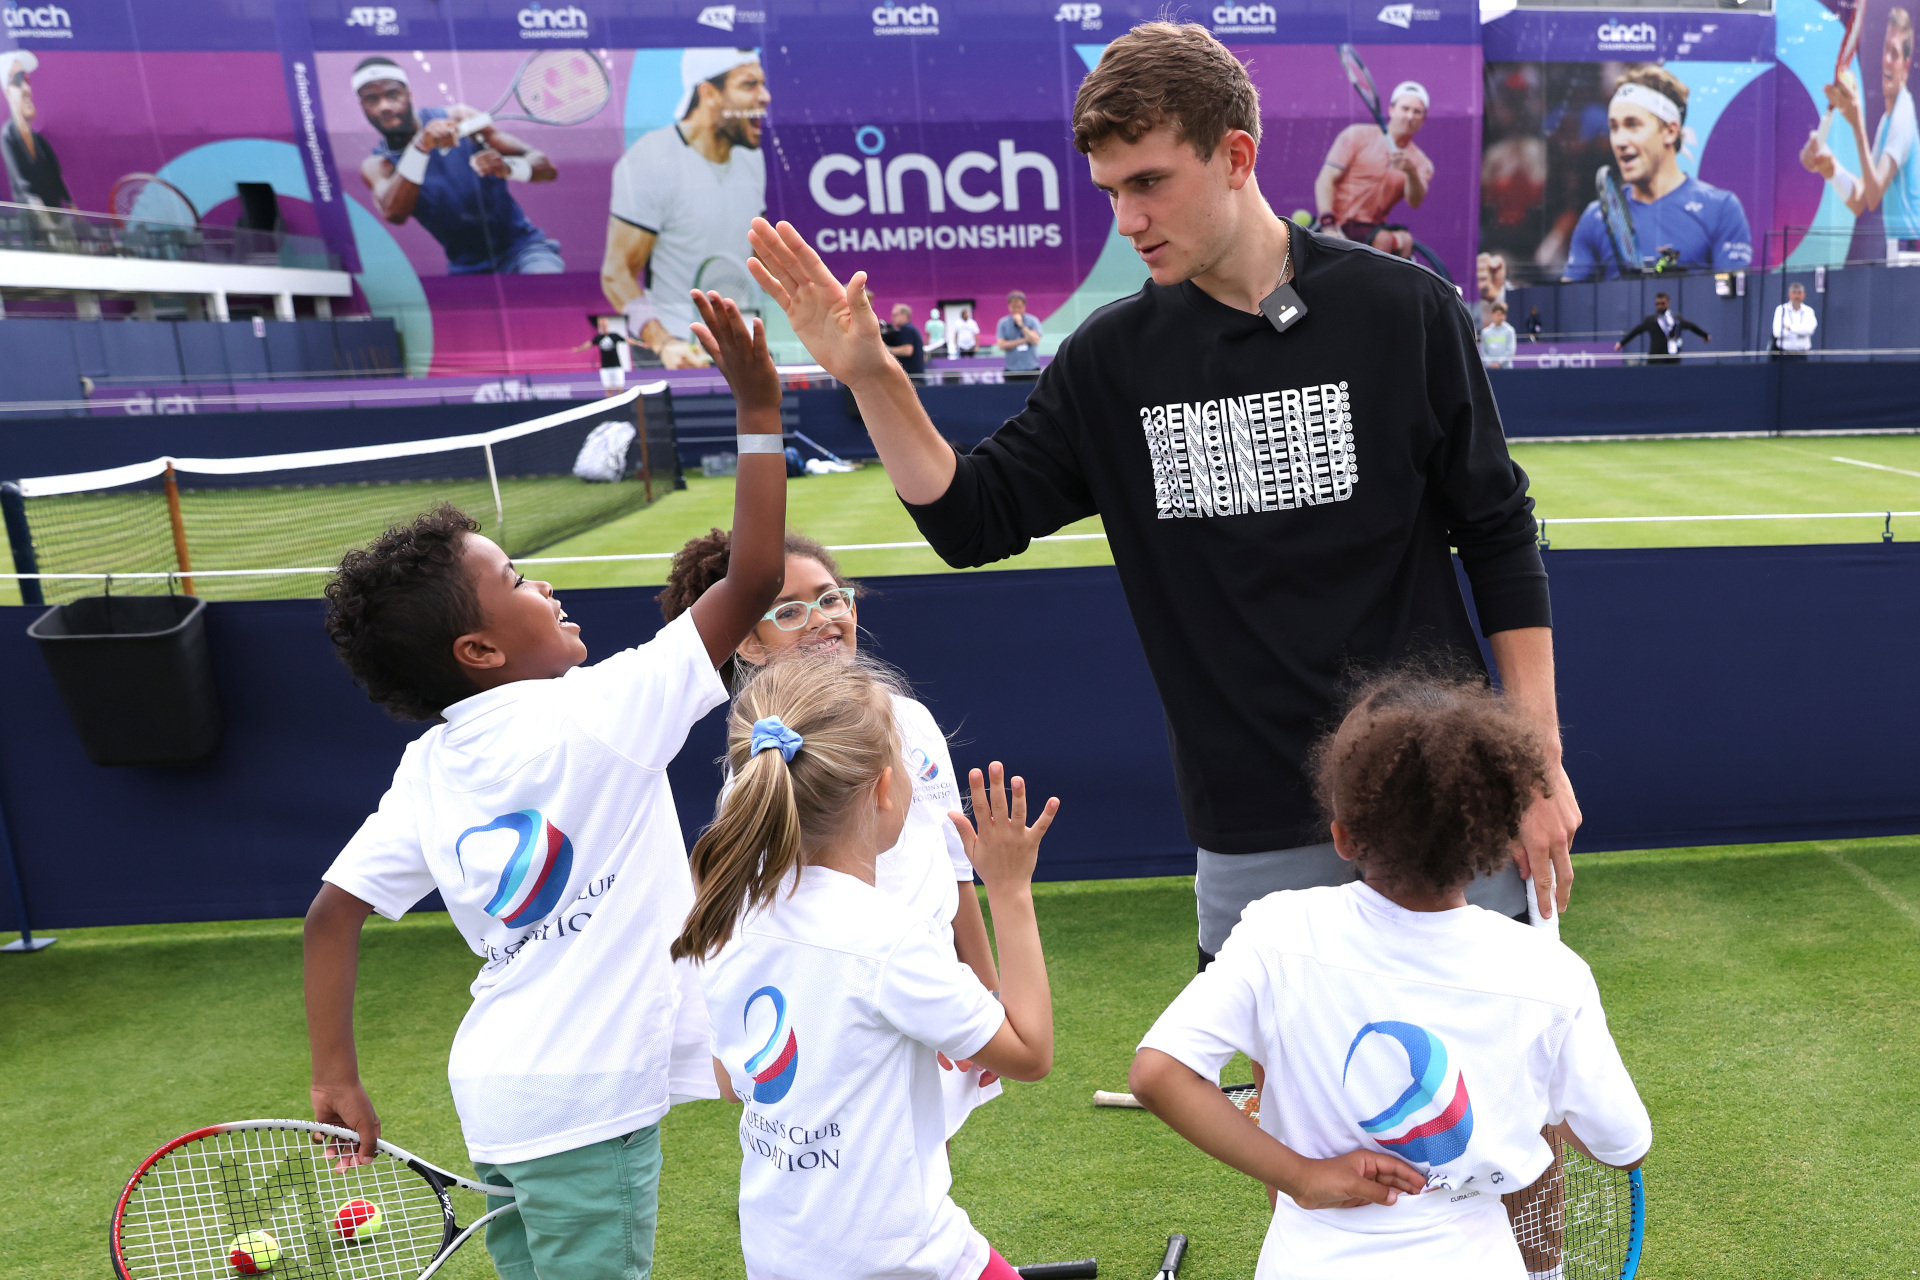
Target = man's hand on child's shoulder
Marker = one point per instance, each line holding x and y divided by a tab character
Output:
1354	1179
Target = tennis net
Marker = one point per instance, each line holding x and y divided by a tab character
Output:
194	523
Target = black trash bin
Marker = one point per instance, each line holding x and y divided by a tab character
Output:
134	673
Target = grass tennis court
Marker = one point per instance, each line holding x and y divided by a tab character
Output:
1767	1000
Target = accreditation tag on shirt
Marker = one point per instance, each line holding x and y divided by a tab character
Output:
1283	308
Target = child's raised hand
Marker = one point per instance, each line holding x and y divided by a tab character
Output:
1354	1179
1004	848
739	347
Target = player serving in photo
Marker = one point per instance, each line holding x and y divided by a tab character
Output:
683	199
454	186
1888	168
1370	168
1704	226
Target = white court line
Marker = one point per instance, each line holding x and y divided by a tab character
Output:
1855	462
1880	887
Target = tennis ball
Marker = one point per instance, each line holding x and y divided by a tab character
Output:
1302	218
357	1220
253	1253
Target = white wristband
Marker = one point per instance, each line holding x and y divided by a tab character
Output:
412	165
638	313
519	168
1843	182
745	443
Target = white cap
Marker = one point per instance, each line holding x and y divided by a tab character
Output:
12	60
704	64
1413	87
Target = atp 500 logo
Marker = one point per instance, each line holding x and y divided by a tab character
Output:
381	21
41	22
1087	15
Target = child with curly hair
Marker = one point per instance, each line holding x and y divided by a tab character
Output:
1413	1045
926	871
539	809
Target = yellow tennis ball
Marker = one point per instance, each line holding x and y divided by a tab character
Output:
357	1220
253	1253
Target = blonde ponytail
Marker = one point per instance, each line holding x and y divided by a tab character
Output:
778	809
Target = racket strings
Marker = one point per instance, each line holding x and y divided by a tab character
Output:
186	1214
563	87
1575	1221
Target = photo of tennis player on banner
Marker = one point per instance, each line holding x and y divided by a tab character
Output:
1888	177
1372	167
683	197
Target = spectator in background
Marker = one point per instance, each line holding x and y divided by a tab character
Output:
1663	332
1793	326
33	171
1497	340
1019	337
905	342
936	331
1490	272
1533	324
964	340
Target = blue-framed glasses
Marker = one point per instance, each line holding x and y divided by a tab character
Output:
837	602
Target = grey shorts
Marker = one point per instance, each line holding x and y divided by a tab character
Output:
1226	882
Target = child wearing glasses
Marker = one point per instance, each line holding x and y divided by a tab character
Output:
927	871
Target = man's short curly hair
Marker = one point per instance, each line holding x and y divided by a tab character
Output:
1430	777
397	605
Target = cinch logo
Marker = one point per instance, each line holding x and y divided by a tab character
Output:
534	20
1638	33
1087	15
1431	1119
1245	18
774	1066
1397	15
46	22
537	870
383	21
891	19
885	190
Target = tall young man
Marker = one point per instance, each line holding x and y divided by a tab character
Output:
1889	170
1280	504
683	196
1367	172
1705	225
455	187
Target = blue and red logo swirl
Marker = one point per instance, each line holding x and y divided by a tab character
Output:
773	1067
1431	1121
536	873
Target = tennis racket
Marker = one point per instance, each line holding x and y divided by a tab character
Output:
269	1197
1854	14
1081	1269
728	277
554	86
1244	1096
1176	1254
146	199
1362	81
1582	1220
1618	219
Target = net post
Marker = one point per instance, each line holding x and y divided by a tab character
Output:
646	458
179	530
499	511
13	507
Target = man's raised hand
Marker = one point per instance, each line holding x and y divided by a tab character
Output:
739	348
835	322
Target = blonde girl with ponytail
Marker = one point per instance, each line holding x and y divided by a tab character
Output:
831	1002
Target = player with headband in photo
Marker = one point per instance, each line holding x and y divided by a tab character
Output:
684	195
1367	172
1889	170
454	187
1704	226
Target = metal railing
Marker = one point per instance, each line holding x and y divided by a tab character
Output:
39	229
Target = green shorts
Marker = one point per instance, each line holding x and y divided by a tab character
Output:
585	1214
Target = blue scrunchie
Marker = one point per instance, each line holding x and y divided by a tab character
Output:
770	732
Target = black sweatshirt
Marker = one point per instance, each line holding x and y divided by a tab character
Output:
1280	508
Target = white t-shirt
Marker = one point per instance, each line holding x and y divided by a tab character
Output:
540	810
1373	1022
926	866
966	334
827	1008
696	209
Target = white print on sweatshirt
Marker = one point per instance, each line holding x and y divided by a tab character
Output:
1263	452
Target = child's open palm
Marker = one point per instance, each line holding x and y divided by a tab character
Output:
1003	848
739	348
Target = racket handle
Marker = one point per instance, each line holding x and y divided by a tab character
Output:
1101	1098
1176	1250
475	123
1082	1269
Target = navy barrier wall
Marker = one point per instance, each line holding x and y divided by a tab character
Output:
1711	695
